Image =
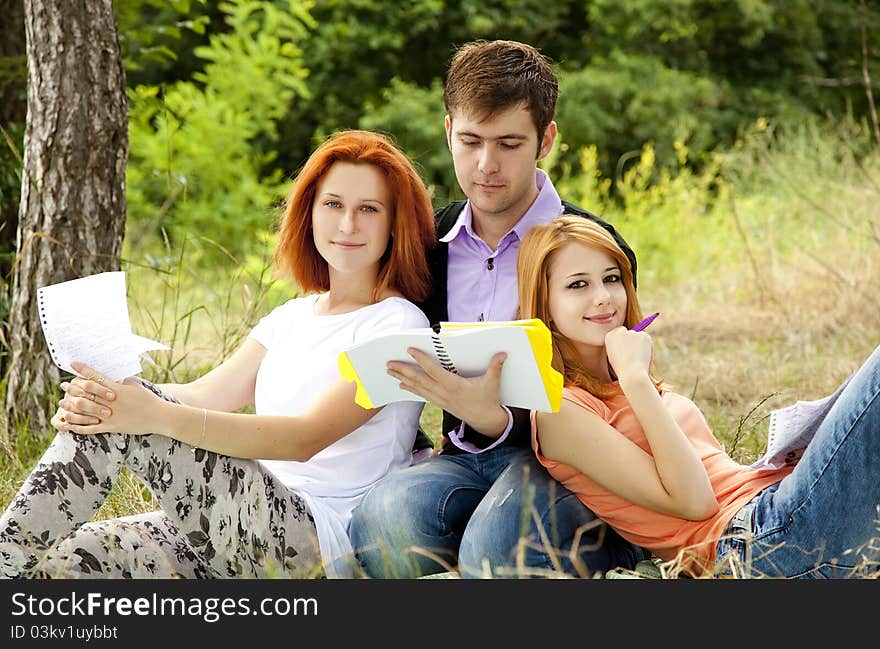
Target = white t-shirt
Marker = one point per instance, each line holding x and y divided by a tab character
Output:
299	365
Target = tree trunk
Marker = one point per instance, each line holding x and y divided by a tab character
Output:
72	215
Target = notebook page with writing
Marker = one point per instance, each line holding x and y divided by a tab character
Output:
791	429
87	320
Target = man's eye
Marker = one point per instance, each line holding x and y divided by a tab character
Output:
509	146
470	143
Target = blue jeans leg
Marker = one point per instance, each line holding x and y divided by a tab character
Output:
411	523
822	519
529	525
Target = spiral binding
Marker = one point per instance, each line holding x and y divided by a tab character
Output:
49	343
443	355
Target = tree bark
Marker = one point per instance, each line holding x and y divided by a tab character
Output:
72	215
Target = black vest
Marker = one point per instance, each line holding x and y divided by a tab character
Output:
436	310
435	306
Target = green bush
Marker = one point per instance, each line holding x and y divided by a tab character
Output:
414	117
199	161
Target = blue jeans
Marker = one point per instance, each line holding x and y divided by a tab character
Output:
492	514
822	520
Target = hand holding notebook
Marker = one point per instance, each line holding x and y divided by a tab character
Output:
465	348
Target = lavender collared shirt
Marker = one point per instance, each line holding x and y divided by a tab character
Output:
481	282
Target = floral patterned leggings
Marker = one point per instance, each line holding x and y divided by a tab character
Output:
221	517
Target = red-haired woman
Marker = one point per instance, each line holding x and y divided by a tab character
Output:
249	495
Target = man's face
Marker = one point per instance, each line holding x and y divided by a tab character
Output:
495	161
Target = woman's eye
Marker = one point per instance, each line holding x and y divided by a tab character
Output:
369	208
332	203
577	284
612	278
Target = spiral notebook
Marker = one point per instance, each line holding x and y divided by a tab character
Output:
464	348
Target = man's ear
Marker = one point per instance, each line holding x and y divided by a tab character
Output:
547	140
447	124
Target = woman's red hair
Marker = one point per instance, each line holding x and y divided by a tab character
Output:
405	269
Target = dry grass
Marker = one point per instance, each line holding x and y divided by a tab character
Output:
739	353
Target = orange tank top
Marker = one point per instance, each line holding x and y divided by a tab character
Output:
670	538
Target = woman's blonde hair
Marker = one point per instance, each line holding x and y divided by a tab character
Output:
536	253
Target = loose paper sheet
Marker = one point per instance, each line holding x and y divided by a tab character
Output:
792	428
86	320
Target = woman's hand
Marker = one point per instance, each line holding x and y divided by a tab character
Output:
86	406
86	402
629	352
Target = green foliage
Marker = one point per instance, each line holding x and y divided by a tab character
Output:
772	183
203	313
697	70
11	165
150	32
620	102
659	209
360	46
413	115
195	162
13	106
646	71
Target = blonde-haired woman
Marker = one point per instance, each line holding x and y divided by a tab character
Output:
643	457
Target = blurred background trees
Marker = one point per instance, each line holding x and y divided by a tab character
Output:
228	98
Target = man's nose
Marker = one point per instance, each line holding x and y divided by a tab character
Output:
488	162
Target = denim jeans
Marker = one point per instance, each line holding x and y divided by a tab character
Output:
822	520
492	514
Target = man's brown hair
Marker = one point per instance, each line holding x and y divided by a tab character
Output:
486	78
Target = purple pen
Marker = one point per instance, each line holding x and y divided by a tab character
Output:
644	323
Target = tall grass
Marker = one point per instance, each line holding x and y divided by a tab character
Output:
763	266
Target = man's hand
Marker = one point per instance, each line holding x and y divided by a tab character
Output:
473	400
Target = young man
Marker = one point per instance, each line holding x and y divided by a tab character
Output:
484	503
